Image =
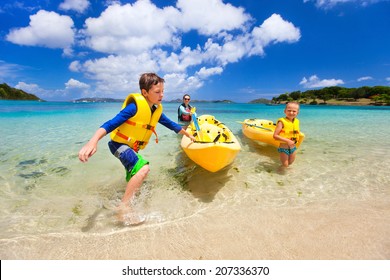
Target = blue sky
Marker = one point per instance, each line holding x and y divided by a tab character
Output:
211	49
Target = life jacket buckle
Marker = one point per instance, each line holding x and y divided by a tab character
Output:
149	127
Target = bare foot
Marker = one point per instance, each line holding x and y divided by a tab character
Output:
133	219
128	217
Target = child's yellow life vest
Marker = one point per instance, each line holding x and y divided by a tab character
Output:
290	129
136	131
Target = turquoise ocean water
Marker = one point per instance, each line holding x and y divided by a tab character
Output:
45	189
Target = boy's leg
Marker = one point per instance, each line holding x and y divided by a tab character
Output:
134	184
125	213
137	168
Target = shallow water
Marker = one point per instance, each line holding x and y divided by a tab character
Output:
45	189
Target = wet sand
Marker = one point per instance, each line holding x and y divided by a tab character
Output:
344	231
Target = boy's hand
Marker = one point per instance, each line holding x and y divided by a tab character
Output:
87	151
91	147
191	137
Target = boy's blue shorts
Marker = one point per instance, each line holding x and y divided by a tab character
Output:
131	160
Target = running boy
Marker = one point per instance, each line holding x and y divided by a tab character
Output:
287	131
131	130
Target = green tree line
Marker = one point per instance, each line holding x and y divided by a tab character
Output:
10	93
379	95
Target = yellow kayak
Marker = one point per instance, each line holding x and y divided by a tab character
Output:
216	146
263	131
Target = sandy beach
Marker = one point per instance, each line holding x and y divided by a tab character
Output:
359	231
333	204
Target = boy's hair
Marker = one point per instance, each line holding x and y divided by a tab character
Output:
147	80
293	102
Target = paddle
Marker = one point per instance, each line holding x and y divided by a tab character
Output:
195	120
257	126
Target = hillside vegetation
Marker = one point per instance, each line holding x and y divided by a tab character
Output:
377	95
10	93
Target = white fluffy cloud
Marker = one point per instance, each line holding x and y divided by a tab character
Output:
142	37
366	78
73	89
209	17
72	84
204	72
331	3
315	82
177	83
46	29
118	73
274	30
32	88
75	5
77	89
132	28
38	91
129	39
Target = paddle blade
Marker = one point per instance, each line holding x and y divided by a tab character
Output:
257	126
195	120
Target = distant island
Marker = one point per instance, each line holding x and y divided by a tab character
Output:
100	99
377	96
10	93
178	100
97	100
261	101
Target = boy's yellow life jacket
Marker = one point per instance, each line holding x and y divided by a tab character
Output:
136	131
290	129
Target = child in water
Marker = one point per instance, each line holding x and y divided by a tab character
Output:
287	132
130	131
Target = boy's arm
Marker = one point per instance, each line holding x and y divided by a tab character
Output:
125	114
91	147
184	132
168	123
165	121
